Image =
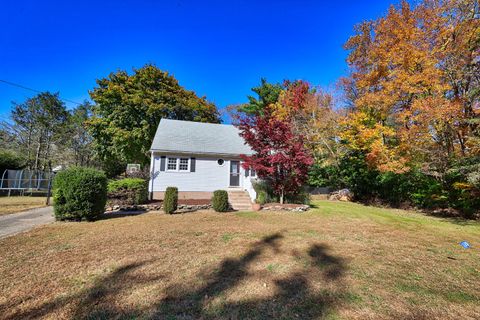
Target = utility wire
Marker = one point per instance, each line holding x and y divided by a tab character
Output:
30	89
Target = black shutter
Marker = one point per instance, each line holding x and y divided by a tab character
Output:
162	163
247	172
192	164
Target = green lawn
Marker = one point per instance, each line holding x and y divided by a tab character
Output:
336	261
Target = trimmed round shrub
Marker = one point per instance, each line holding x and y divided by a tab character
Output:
170	201
128	191
220	201
79	194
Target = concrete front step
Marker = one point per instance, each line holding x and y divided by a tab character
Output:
238	194
243	209
239	197
239	200
241	205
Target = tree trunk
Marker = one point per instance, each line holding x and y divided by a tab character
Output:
281	197
29	146
37	154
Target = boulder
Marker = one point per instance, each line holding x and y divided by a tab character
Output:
341	195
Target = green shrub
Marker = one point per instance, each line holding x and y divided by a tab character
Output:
302	196
262	197
79	194
220	201
129	190
170	201
113	167
458	188
264	192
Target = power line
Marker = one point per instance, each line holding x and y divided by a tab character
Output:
37	91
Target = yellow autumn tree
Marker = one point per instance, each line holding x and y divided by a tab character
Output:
406	110
312	113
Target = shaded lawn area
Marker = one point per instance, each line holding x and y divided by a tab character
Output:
18	203
337	261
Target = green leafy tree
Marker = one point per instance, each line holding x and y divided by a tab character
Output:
80	144
10	160
267	94
128	108
39	124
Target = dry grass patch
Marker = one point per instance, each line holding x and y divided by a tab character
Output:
338	261
17	204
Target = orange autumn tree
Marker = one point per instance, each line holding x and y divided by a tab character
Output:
311	110
406	109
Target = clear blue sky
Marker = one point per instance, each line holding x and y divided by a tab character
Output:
219	49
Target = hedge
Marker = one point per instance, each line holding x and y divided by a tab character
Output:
170	201
79	194
220	201
129	190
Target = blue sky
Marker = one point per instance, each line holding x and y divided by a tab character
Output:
219	49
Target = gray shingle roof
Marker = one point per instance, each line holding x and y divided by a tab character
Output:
198	138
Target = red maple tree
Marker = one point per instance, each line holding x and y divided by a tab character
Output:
280	156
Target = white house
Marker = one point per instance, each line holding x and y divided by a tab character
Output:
199	158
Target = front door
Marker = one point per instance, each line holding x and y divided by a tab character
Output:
234	173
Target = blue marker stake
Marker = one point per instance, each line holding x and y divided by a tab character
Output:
465	244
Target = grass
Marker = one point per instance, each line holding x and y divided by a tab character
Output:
17	203
337	261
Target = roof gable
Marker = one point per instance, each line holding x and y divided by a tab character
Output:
198	138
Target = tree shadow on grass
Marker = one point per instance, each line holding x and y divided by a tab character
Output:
296	295
314	205
120	214
293	296
89	303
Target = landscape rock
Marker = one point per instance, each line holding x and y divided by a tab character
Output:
181	208
341	195
286	207
446	212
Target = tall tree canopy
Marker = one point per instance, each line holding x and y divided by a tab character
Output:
38	129
313	116
128	108
80	142
267	94
414	83
280	156
43	133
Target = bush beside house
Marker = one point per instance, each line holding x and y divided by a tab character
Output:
79	194
220	201
128	191
170	201
265	194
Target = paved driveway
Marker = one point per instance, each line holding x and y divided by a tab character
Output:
11	224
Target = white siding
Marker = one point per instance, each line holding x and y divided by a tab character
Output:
208	175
